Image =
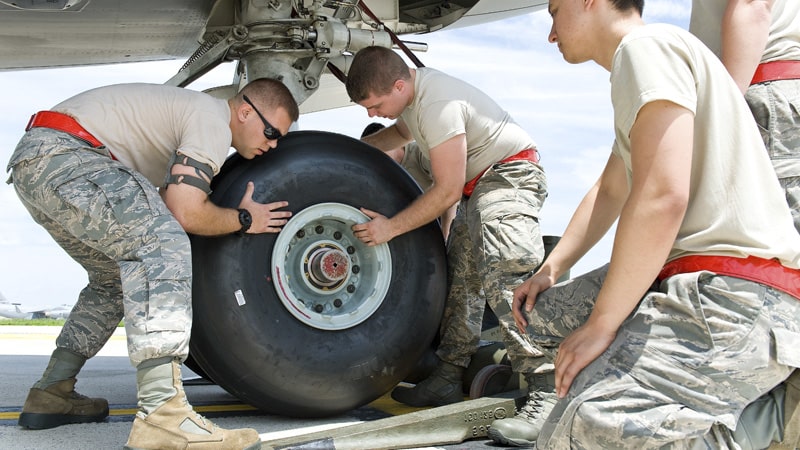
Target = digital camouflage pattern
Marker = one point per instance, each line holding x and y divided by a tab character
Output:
112	221
495	244
673	377
776	108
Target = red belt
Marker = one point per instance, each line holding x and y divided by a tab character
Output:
776	70
765	271
531	155
62	122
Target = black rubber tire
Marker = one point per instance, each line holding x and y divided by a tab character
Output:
490	380
262	354
194	367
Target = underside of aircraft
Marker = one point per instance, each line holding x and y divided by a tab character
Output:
272	325
305	43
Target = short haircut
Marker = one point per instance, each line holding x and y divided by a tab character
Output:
625	5
372	128
272	94
374	71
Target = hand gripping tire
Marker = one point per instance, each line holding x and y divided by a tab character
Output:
310	322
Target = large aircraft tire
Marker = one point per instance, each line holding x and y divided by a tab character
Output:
310	322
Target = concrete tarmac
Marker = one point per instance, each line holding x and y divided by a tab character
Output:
25	351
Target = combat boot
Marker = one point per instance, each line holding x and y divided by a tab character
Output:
442	387
174	425
59	404
523	429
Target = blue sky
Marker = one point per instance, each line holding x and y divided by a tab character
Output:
566	109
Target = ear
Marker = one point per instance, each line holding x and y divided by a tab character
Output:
399	85
242	111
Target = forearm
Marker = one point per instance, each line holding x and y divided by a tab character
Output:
447	219
209	219
745	30
195	212
387	139
645	234
592	219
425	209
586	227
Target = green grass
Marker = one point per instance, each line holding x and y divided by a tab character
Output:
33	322
39	322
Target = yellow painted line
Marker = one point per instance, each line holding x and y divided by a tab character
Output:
384	403
9	415
200	409
389	405
132	411
225	408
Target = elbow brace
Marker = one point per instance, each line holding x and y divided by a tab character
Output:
197	180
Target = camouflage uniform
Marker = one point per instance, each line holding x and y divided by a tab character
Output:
112	221
673	376
776	108
495	244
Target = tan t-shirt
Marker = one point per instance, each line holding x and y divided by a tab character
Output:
143	125
445	107
417	165
784	33
736	205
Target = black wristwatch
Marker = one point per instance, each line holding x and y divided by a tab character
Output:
245	219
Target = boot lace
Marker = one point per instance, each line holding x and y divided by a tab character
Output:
198	416
538	406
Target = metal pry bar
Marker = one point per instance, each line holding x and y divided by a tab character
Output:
450	424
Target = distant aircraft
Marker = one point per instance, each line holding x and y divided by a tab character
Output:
11	310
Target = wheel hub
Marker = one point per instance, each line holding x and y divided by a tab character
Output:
327	267
323	274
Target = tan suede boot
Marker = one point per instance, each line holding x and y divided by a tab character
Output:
59	404
175	426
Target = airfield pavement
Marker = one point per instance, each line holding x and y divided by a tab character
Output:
24	352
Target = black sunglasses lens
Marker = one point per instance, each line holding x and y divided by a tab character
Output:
270	132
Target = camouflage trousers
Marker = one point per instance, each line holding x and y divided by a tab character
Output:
112	221
495	243
776	108
697	349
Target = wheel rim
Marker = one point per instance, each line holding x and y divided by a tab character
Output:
324	276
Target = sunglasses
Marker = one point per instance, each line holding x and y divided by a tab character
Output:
270	132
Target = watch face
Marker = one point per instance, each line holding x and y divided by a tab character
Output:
245	219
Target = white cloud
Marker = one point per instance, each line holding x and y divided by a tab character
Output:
566	108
